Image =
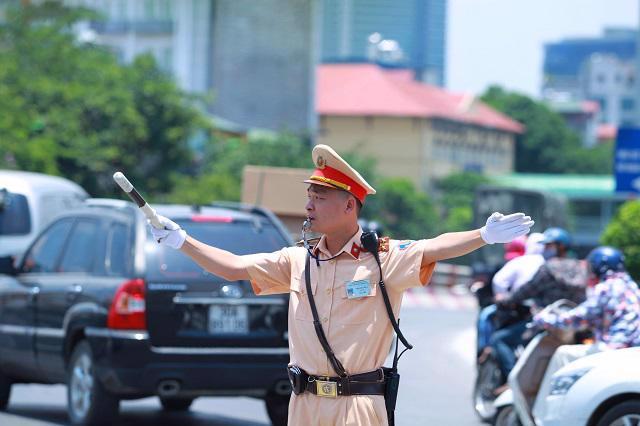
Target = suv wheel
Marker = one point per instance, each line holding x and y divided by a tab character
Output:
88	403
5	390
176	404
277	409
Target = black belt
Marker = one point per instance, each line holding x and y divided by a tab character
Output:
371	383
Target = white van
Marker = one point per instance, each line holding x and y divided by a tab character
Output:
28	203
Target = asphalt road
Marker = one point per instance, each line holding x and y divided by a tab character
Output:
436	378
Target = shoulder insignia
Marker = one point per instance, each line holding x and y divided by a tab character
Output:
383	244
312	242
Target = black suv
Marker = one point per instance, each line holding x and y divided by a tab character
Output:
96	304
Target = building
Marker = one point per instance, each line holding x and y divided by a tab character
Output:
417	27
601	69
257	59
563	60
411	129
612	83
583	117
177	34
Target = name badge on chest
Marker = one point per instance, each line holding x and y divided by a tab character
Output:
357	289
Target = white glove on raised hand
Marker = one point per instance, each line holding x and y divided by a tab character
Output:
172	235
502	229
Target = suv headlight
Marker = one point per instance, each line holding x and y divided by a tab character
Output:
561	384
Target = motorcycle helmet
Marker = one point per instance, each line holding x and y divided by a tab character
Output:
604	259
515	248
557	236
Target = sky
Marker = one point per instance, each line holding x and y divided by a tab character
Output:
502	41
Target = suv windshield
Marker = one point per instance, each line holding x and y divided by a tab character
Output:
14	214
239	237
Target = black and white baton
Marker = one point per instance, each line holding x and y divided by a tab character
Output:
135	196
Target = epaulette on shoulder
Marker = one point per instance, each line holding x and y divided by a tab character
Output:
312	242
383	244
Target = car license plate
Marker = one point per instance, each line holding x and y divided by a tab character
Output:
229	319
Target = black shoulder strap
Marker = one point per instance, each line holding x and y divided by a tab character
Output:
387	304
335	362
370	242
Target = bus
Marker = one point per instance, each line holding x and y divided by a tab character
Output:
582	204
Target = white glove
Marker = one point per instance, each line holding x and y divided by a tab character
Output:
502	229
172	235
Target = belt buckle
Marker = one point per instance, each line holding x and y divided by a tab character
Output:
326	389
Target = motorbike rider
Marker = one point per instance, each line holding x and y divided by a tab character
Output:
519	269
485	291
558	277
611	311
507	280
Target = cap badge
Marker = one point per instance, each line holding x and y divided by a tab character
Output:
320	162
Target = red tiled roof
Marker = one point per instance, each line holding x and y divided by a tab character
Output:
367	89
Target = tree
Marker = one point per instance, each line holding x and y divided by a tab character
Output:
455	197
402	211
220	176
69	108
548	145
623	232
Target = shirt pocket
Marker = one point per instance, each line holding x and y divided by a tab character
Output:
360	310
299	299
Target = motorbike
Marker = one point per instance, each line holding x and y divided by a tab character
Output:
489	377
514	406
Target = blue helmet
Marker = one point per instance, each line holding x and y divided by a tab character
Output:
558	236
604	259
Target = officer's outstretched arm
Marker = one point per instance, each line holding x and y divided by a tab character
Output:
217	261
498	229
452	244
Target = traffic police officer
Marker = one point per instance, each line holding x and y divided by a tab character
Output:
344	284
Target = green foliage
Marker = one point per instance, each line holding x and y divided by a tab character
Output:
548	145
401	210
457	189
70	109
224	161
203	189
458	219
623	232
455	199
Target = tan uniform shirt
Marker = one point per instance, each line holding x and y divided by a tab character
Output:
358	329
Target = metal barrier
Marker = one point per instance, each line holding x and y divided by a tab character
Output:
448	274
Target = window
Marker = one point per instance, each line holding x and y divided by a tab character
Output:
627	104
239	237
45	253
602	102
14	214
79	253
117	262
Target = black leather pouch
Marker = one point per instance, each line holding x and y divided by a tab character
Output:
392	383
298	379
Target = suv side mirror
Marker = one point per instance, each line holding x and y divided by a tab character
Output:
6	266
